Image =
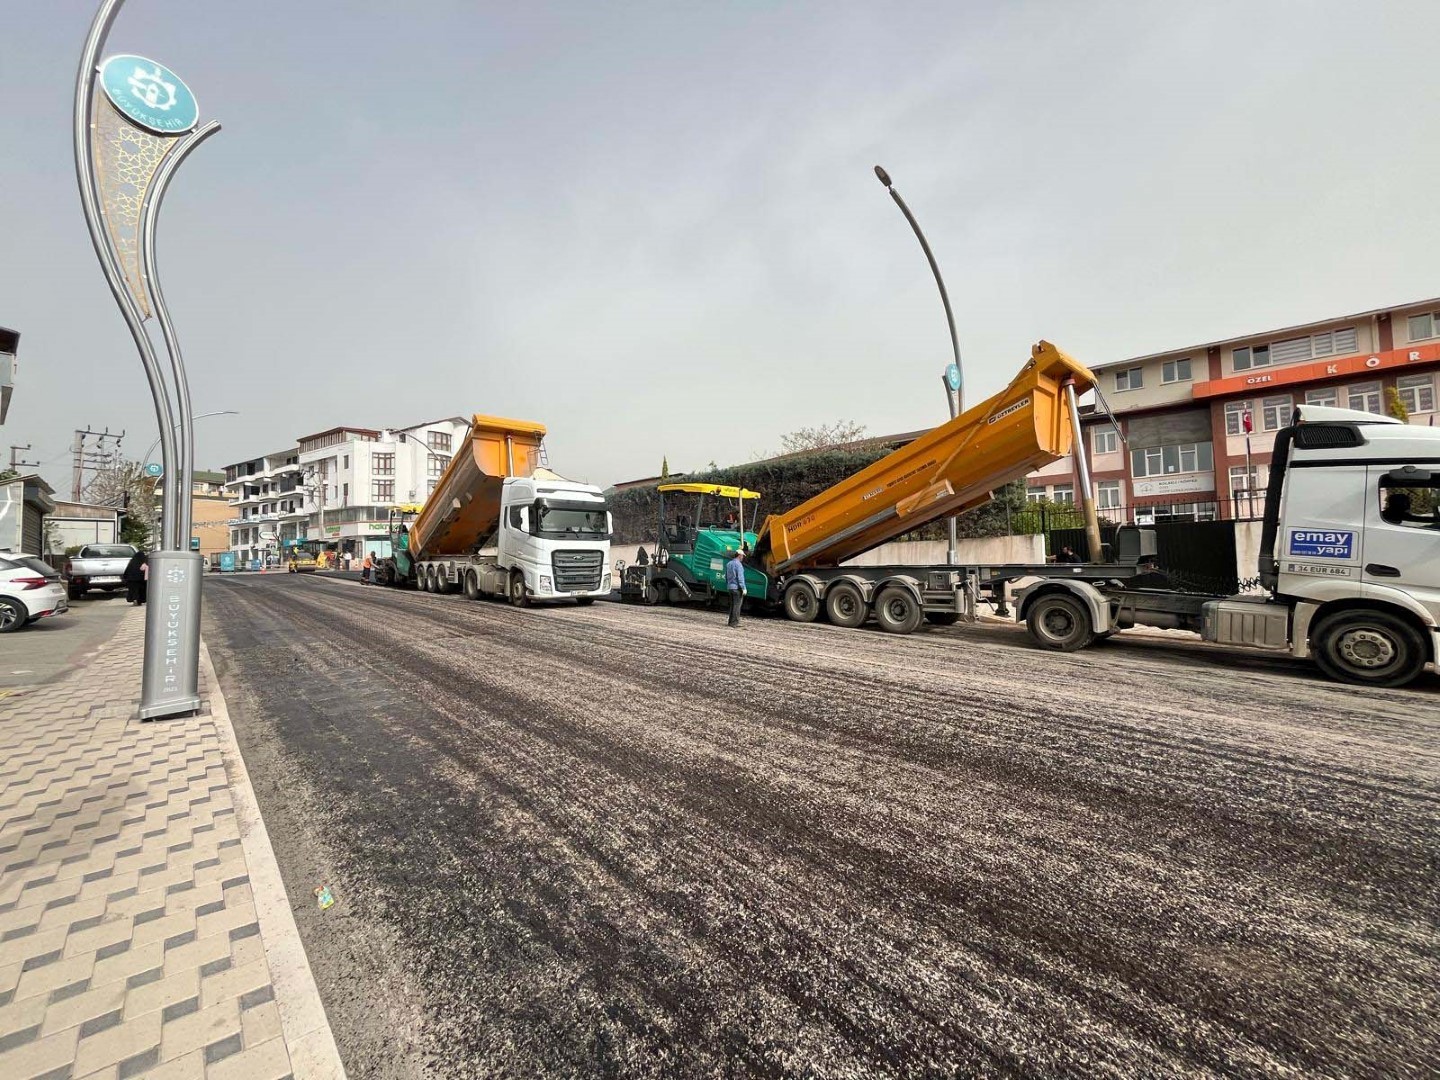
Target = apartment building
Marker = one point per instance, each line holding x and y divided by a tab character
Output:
266	505
354	476
1194	426
336	486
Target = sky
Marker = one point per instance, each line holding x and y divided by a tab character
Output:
654	226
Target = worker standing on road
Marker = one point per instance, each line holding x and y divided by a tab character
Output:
365	568
735	584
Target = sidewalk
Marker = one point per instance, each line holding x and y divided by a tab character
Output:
144	929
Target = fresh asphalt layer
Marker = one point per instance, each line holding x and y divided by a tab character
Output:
616	841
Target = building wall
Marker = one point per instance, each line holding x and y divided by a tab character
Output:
209	520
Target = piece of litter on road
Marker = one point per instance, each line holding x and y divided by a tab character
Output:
324	897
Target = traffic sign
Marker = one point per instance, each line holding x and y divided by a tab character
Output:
153	468
952	377
149	94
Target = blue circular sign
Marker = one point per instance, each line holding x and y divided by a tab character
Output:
952	377
153	469
150	94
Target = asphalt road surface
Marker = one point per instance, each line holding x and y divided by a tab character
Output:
615	841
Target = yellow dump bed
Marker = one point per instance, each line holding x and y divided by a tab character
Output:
464	509
953	468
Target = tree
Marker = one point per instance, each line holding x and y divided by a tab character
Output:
1397	406
8	474
126	486
820	438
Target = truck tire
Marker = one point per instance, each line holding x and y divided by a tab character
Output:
519	594
942	618
472	586
845	606
584	601
1371	648
897	611
801	603
1060	621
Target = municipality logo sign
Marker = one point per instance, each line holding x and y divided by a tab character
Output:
149	94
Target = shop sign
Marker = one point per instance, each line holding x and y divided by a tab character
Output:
1179	484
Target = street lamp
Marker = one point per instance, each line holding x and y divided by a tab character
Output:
202	416
953	378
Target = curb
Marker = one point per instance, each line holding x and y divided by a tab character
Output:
308	1038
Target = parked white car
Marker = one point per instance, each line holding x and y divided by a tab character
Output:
30	589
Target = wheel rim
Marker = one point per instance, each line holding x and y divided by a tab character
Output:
1366	649
1057	622
897	609
802	603
845	605
8	616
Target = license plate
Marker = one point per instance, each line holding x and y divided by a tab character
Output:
106	579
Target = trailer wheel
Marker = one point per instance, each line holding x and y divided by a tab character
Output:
472	586
897	611
519	595
844	606
801	603
942	618
1371	648
1061	622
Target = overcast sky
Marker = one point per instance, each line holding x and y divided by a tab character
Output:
654	227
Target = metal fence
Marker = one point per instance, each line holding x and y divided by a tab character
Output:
1047	517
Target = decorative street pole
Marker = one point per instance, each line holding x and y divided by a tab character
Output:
953	378
131	133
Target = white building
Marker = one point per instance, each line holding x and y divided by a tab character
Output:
352	477
266	504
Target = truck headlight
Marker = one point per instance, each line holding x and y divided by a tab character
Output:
545	584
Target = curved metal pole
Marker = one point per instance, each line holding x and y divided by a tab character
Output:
884	178
179	519
203	416
104	249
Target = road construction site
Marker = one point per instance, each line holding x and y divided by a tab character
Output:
622	840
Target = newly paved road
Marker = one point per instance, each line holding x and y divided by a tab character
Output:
625	842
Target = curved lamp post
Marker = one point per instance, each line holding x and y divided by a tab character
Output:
202	416
954	391
130	135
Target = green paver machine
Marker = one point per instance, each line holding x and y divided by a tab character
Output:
699	526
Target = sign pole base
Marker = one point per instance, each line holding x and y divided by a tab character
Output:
170	684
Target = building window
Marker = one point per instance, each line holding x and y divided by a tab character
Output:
1175	371
383	491
1035	495
383	464
1107	495
1063	493
1365	397
1130	378
1424	326
1245	481
1107	440
1335	342
1164	460
1328	395
344	494
1274	413
1417	393
1245	359
430	487
437	464
439	440
347	461
1236	415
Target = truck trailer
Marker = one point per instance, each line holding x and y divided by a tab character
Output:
1350	550
499	523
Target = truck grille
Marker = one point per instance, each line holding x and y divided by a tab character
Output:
578	571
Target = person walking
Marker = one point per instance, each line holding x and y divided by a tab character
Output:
735	584
134	577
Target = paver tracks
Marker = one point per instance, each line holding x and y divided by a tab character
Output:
625	842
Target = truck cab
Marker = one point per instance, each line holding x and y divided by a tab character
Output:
555	535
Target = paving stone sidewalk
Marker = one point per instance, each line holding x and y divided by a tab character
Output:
131	942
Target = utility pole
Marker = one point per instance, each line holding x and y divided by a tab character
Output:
15	463
99	458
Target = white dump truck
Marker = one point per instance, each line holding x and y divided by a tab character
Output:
501	524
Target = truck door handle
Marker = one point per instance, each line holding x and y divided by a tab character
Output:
1376	569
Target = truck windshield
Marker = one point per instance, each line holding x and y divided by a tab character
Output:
565	521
